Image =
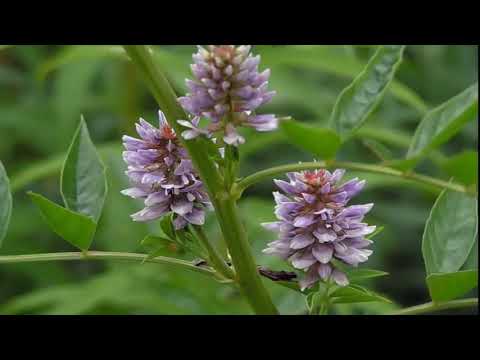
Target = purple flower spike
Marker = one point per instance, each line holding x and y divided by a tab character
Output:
316	226
162	176
227	89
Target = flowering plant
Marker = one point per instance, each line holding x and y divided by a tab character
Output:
184	169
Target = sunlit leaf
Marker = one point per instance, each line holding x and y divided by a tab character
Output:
444	287
83	180
359	100
450	232
5	203
73	227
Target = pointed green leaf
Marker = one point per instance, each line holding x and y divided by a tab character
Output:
318	141
450	232
73	227
83	180
355	275
445	287
5	203
355	294
443	122
360	99
463	167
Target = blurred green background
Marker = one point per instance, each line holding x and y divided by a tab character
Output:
43	91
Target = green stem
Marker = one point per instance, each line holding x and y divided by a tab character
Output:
214	256
432	307
278	170
104	255
236	238
234	234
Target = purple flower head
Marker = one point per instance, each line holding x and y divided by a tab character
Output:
315	225
162	175
227	89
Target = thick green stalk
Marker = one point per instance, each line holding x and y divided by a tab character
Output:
432	307
104	255
279	170
242	258
234	234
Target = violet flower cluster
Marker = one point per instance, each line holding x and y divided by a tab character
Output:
227	89
162	175
316	226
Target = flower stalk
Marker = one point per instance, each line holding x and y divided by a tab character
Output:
222	201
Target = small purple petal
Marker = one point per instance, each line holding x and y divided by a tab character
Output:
323	253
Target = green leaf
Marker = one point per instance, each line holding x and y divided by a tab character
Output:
355	275
83	180
360	99
75	228
318	141
443	122
151	241
450	232
378	149
355	294
329	60
5	203
166	224
472	260
463	167
155	245
445	287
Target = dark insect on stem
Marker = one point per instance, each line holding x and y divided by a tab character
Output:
277	275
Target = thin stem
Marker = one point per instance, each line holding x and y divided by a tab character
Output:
278	170
214	256
104	255
432	307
